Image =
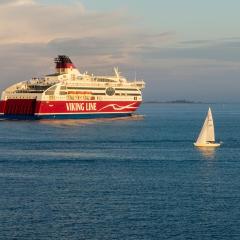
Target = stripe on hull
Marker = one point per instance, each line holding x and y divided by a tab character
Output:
65	116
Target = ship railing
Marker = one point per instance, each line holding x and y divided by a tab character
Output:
37	78
94	84
43	81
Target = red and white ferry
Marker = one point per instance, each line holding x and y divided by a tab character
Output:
70	94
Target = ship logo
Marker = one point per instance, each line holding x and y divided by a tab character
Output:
116	107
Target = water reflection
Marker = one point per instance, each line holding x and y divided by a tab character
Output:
207	152
80	122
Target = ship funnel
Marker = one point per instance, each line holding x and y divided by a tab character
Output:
63	63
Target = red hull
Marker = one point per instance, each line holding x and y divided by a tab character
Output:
31	107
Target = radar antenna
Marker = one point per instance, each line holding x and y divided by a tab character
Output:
117	73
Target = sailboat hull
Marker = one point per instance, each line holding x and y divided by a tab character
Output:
207	144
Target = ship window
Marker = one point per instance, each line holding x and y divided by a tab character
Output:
50	91
104	80
133	94
126	89
73	77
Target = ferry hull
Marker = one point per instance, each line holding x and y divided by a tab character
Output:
30	109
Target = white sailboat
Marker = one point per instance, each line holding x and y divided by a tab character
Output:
206	137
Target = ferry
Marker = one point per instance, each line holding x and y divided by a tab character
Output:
69	94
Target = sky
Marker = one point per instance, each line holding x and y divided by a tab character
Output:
182	49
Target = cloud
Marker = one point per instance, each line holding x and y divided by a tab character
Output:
217	50
28	21
109	45
14	3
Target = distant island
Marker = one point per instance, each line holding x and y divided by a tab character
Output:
182	101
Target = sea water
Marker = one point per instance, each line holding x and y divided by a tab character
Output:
131	178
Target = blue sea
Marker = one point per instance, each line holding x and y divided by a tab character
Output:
131	178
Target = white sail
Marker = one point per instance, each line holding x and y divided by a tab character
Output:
207	132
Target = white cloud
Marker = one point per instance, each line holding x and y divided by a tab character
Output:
15	3
28	21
